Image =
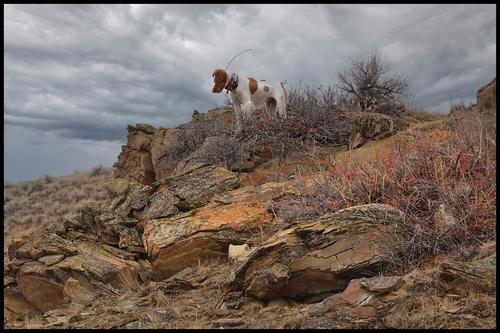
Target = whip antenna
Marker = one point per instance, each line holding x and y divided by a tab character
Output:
235	57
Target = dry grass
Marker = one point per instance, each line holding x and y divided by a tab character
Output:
34	204
429	306
419	114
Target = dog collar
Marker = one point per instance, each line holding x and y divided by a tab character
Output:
232	83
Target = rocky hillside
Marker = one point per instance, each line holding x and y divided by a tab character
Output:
357	231
31	205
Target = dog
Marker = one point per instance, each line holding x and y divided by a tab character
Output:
247	94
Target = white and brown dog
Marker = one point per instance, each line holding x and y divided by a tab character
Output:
248	94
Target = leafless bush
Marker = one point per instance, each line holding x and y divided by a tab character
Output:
190	137
370	85
317	115
97	170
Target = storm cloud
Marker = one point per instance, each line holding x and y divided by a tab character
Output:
76	75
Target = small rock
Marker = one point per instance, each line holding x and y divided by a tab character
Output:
76	292
238	252
146	128
175	284
382	284
443	220
468	317
269	309
181	274
452	310
169	313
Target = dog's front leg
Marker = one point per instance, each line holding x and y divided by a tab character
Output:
247	109
237	115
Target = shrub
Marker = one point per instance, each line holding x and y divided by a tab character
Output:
370	85
97	170
453	165
315	117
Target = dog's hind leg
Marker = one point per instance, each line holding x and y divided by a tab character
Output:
271	106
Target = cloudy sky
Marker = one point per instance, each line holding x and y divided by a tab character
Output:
76	75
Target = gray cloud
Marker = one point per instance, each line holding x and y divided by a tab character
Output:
86	71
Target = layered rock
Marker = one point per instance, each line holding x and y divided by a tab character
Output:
321	255
135	161
487	96
44	263
151	154
478	275
363	298
235	217
195	185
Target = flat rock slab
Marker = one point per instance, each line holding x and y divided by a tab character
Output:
382	284
321	255
233	217
358	301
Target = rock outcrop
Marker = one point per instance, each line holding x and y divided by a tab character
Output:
135	160
321	255
477	275
369	126
152	154
487	96
45	266
363	298
235	217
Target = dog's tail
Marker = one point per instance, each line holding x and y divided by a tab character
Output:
285	92
284	98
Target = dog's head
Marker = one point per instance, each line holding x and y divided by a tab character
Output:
220	80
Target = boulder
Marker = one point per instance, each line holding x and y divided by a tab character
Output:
238	252
235	217
359	300
321	255
196	185
478	275
369	125
76	292
487	96
152	154
44	282
162	204
164	143
134	161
